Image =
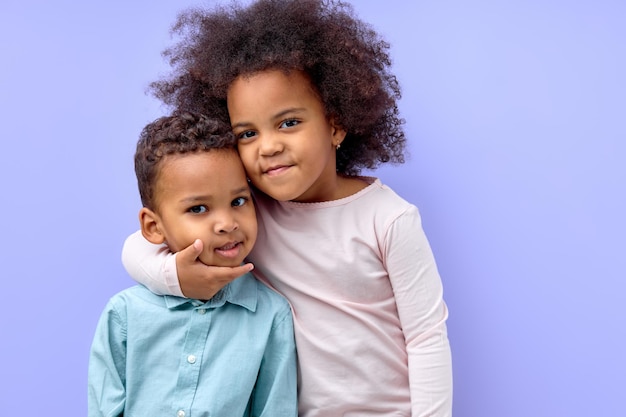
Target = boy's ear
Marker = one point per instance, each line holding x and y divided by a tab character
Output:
150	226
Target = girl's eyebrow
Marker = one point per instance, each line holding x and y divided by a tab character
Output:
240	124
285	112
278	115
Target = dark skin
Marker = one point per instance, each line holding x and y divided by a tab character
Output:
216	277
346	61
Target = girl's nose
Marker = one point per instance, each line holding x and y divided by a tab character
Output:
270	144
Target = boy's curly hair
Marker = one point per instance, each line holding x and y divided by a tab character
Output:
182	132
346	60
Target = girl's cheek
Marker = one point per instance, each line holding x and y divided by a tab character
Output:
247	160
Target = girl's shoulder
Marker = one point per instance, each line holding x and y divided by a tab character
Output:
382	193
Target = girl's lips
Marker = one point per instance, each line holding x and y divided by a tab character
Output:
277	170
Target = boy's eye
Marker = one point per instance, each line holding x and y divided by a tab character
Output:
239	201
289	123
197	209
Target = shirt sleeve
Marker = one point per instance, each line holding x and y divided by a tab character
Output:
153	266
423	313
275	393
107	364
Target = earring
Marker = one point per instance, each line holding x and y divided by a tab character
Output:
338	146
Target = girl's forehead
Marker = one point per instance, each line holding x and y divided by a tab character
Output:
278	81
271	91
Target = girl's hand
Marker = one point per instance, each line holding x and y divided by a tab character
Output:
201	281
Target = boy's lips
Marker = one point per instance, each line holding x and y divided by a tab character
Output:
229	250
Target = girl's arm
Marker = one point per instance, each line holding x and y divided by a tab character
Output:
180	274
419	297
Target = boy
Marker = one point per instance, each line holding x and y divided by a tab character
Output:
232	355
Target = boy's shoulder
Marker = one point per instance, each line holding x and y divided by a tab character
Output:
137	291
137	294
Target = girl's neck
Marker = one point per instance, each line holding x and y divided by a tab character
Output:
349	186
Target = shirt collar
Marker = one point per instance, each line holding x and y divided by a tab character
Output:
242	291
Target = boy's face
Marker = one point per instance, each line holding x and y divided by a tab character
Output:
205	195
285	140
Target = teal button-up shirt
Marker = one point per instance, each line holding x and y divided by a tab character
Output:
160	356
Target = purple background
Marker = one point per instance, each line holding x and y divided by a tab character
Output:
516	113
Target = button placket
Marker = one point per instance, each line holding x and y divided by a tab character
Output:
191	358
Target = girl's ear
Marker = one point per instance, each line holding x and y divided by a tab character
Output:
338	132
150	226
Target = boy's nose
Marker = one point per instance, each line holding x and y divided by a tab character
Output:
226	224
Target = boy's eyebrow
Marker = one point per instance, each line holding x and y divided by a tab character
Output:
244	189
196	198
278	115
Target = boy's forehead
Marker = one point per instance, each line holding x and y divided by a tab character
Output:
214	158
199	169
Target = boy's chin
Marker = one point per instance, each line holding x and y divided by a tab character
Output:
228	263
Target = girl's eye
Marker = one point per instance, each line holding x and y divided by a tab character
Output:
246	135
289	123
198	209
239	201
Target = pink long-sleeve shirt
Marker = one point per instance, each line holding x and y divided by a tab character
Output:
367	300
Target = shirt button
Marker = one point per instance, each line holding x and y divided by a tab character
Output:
190	359
180	413
202	311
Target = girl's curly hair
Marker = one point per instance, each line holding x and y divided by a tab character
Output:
346	60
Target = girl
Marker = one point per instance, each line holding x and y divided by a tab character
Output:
307	90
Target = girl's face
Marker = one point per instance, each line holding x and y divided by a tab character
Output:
285	141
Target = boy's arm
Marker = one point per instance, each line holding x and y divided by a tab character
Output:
107	364
418	291
180	274
276	393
